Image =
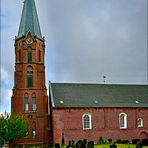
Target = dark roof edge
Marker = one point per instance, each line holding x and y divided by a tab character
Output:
34	36
92	83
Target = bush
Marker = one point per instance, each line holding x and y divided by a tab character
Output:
50	146
100	140
139	144
83	145
90	144
125	141
110	140
78	144
119	141
69	144
73	142
57	145
113	146
134	141
85	141
144	142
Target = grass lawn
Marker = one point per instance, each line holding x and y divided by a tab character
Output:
108	146
118	146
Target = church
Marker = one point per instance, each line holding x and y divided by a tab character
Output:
72	111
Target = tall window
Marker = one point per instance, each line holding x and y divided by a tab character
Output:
29	76
122	120
86	119
29	56
33	102
140	122
39	56
19	55
26	103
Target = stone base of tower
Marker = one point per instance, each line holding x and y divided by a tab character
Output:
27	143
42	139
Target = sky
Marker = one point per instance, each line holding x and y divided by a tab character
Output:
85	40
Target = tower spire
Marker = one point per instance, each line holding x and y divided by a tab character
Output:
29	20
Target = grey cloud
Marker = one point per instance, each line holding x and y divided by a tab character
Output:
94	37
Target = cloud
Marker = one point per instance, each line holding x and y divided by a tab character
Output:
4	76
5	100
8	94
98	37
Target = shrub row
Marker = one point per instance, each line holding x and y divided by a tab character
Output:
90	144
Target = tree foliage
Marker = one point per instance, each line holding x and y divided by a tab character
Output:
12	127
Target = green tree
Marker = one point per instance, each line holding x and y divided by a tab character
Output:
2	129
12	128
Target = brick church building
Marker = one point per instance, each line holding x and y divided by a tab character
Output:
88	111
72	111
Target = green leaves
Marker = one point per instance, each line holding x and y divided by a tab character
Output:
12	127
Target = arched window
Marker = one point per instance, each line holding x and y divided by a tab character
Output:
29	76
86	120
26	103
140	122
29	56
33	102
122	120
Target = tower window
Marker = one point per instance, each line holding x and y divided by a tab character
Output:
33	102
29	56
86	121
39	56
123	120
29	76
20	55
26	104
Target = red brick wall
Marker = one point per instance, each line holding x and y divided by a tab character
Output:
105	123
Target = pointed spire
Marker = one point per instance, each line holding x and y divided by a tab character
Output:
29	20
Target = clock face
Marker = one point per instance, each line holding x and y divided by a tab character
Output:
29	41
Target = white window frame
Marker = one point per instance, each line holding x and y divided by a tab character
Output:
125	121
90	123
33	107
26	105
141	122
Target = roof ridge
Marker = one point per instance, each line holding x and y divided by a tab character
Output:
91	83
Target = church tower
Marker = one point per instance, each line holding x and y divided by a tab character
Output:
29	93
